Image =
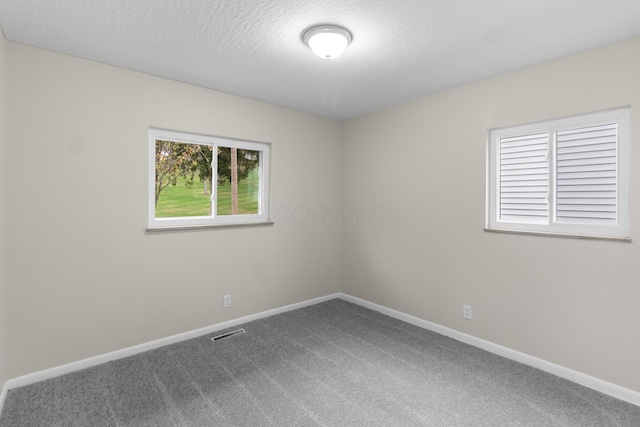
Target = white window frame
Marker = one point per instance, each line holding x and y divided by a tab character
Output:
214	220
620	231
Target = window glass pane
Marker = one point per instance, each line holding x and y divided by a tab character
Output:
238	181
183	179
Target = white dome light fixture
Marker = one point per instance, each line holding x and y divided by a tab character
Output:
327	41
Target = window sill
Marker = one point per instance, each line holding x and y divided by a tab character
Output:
549	234
208	226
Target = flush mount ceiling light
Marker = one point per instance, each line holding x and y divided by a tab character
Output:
327	41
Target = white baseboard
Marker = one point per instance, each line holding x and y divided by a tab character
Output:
3	395
130	351
597	384
560	371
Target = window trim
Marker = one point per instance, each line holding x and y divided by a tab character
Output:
619	232
196	222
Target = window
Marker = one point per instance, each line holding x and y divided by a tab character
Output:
566	176
198	180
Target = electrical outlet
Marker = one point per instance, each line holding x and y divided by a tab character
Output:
226	301
466	312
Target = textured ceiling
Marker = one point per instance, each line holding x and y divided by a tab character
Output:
402	49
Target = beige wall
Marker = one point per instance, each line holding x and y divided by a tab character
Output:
421	165
3	211
84	276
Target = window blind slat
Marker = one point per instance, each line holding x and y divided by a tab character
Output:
590	128
583	139
589	174
585	148
533	164
523	206
524	184
524	148
587	202
523	139
511	191
526	155
526	212
603	187
588	209
586	215
589	155
588	161
532	171
590	167
592	221
521	200
586	181
600	195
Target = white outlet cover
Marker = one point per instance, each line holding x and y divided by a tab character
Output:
466	312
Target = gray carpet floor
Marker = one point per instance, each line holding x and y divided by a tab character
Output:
332	364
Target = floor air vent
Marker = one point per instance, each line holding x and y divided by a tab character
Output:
228	335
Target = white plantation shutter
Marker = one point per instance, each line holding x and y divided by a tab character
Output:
567	176
524	178
586	184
